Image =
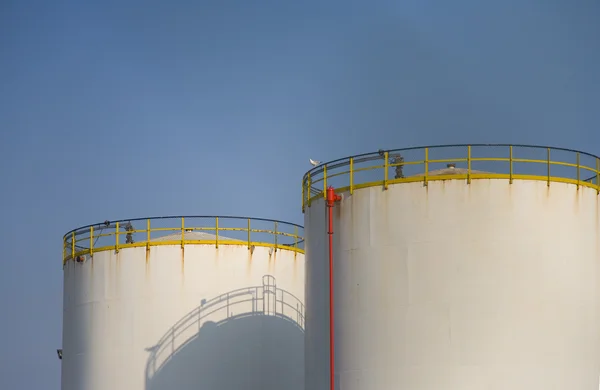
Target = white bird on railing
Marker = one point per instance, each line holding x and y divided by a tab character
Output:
313	162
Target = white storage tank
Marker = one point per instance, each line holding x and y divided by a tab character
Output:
184	303
473	267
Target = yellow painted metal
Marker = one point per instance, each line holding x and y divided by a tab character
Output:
275	235
386	170
324	181
469	164
303	186
148	234
88	237
182	232
511	164
308	187
548	158
296	237
426	166
425	177
448	160
578	171
117	237
91	240
351	175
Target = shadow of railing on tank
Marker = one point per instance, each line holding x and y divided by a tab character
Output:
265	300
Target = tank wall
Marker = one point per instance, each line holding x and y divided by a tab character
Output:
316	359
455	286
135	320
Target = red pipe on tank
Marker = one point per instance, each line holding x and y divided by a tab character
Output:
332	197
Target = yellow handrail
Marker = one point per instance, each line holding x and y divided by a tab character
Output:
90	240
520	164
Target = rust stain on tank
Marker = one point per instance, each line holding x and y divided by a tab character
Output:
110	267
271	259
597	213
117	272
294	267
385	223
249	263
147	262
217	254
511	200
118	260
182	264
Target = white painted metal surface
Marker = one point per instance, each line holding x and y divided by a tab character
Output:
457	286
192	318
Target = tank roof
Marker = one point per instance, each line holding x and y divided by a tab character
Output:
191	236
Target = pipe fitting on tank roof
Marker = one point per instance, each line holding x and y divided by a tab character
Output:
332	197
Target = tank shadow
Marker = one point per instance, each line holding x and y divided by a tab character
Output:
259	347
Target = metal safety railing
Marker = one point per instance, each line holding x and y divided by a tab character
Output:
470	162
179	230
265	300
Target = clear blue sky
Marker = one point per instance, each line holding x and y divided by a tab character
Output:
123	109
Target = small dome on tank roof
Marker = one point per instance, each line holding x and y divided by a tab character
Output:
450	170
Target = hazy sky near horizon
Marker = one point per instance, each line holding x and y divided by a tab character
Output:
120	109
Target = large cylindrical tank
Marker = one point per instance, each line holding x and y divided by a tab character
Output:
473	267
184	303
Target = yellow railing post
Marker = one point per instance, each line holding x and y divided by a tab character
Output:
73	246
578	169
548	167
91	241
248	233
510	159
386	166
182	232
351	175
296	238
598	175
148	234
469	164
303	186
275	236
324	181
308	189
117	237
426	163
217	231
64	249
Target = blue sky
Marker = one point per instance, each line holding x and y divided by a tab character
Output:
122	109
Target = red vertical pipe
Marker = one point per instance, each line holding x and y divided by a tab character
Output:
331	199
